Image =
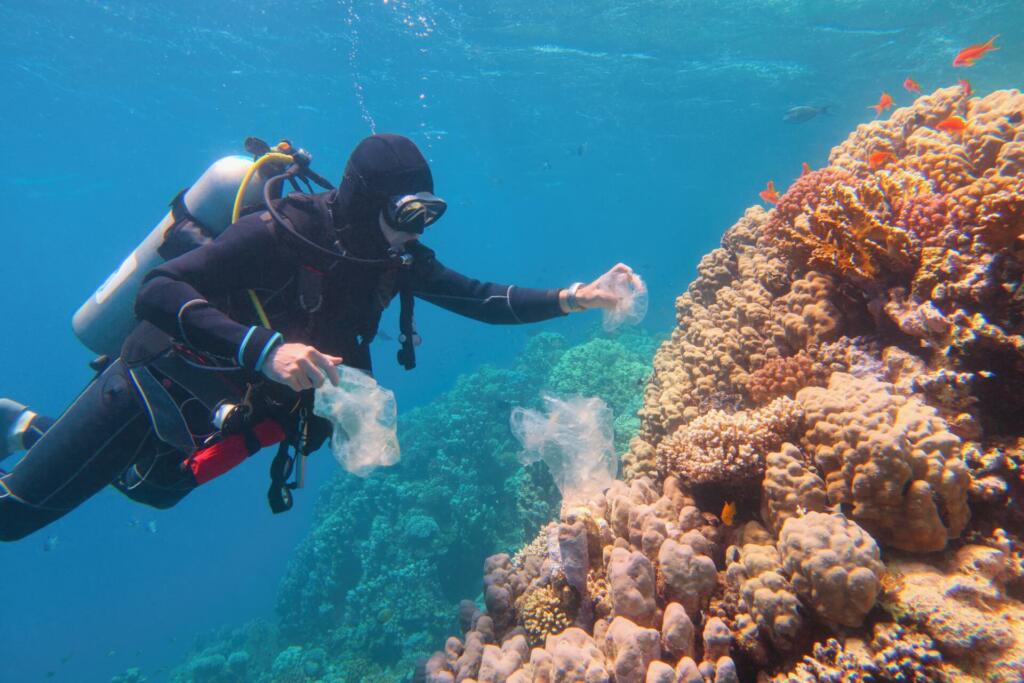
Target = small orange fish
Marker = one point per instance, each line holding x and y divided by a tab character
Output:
966	85
954	124
878	159
969	55
910	85
728	513
769	194
884	102
805	169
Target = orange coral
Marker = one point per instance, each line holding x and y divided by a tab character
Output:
804	195
849	234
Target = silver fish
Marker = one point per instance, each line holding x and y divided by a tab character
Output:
50	544
803	113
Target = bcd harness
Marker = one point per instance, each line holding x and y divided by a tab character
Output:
249	430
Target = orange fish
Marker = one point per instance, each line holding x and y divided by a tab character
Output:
954	124
966	85
877	159
728	513
910	85
769	194
969	55
884	102
805	169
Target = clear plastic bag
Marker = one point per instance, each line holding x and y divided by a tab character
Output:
630	292
364	416
574	439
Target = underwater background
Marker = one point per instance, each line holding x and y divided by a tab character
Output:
566	137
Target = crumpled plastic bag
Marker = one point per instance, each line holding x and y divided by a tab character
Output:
574	439
630	292
364	416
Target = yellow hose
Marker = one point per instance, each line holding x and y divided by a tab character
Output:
266	158
271	156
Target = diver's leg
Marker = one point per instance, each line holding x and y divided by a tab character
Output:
83	451
159	477
20	428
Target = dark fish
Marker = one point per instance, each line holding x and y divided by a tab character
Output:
803	113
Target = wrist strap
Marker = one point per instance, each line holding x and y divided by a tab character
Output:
570	297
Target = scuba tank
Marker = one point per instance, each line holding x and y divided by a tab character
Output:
200	213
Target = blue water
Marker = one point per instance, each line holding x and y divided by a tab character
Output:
566	137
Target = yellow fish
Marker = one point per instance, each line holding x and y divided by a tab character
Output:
728	513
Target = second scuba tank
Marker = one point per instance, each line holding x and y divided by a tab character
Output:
107	317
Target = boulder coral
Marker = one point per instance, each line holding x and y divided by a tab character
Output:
833	564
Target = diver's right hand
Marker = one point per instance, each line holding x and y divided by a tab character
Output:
301	367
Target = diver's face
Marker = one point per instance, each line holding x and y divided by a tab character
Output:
395	238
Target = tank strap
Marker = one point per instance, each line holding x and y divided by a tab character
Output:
180	212
406	328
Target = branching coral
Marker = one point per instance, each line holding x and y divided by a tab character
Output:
724	448
894	654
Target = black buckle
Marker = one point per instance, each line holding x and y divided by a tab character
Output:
279	495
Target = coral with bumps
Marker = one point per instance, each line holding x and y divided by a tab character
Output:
767	603
722	447
657	607
890	460
833	564
783	377
790	488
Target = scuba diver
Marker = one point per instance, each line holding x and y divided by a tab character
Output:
232	331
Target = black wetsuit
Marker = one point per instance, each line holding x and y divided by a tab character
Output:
197	306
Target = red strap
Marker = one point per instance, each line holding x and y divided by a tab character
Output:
215	460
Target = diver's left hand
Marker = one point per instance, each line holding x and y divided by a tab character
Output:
593	296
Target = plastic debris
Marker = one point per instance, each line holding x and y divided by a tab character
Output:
574	439
364	416
630	292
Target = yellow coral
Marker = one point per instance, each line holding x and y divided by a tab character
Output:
543	611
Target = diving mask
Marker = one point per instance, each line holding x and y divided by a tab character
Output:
414	212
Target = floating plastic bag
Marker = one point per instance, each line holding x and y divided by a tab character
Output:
574	440
364	416
631	294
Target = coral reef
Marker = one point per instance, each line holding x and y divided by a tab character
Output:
845	383
847	370
962	605
375	582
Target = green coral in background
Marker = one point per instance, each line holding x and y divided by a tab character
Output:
376	582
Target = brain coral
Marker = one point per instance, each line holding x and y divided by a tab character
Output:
889	459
